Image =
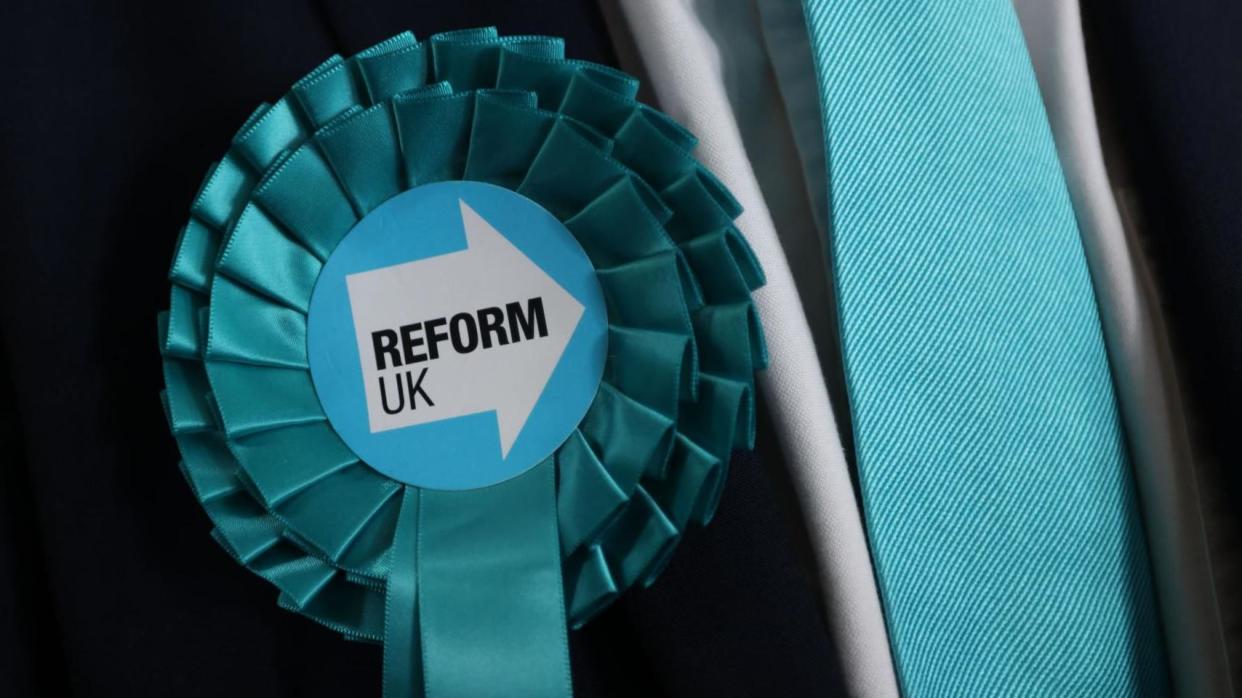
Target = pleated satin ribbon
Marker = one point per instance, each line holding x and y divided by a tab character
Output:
471	593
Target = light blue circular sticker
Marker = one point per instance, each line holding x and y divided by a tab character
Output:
457	336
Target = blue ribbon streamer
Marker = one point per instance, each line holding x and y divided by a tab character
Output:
470	592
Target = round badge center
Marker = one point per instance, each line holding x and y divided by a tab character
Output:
456	336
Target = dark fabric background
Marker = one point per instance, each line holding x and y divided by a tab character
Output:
109	583
1168	76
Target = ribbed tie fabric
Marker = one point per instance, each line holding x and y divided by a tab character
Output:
997	492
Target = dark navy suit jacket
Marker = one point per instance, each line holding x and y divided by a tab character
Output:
109	582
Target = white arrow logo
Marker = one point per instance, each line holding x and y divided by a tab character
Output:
477	330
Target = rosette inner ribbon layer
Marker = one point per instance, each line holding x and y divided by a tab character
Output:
459	343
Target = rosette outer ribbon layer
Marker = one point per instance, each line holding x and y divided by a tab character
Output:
471	592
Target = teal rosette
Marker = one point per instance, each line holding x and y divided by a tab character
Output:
416	569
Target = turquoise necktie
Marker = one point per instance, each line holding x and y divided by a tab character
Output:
998	495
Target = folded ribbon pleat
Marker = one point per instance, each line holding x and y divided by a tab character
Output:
469	592
392	67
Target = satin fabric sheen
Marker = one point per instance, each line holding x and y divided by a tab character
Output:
88	485
489	574
478	603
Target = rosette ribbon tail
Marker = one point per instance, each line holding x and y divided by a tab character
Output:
475	601
471	592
